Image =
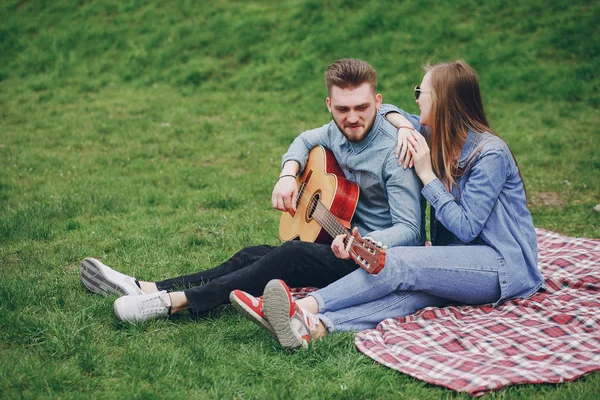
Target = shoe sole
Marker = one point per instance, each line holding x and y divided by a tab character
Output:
95	281
277	305
250	315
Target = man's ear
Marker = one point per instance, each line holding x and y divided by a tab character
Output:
328	102
378	100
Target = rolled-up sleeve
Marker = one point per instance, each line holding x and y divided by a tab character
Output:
384	109
301	146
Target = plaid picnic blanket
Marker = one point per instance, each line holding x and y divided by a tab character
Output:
552	337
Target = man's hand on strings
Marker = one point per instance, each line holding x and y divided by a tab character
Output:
338	246
285	194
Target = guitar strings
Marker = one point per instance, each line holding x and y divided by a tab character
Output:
333	224
324	216
328	221
321	214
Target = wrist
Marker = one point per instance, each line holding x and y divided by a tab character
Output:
286	176
427	177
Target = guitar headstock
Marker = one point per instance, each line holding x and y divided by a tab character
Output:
369	255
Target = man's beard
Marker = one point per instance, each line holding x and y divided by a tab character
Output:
354	139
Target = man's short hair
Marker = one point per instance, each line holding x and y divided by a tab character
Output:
350	73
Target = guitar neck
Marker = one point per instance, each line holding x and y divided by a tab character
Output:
366	254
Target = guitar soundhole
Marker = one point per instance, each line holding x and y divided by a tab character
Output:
312	206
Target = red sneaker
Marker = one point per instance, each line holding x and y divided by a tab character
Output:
292	325
252	308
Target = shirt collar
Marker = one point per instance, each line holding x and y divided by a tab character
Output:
470	142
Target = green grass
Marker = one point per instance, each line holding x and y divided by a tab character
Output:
149	134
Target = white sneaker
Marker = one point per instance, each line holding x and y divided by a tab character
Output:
102	279
143	307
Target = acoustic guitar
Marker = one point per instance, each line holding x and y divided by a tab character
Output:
324	208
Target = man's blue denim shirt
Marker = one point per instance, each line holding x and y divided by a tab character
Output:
390	207
488	205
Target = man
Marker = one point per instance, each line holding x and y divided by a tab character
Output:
389	210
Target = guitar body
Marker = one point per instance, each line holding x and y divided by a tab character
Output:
324	179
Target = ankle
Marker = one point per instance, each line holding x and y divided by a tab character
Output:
178	302
309	303
148	287
320	331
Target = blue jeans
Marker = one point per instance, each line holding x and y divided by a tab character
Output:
413	278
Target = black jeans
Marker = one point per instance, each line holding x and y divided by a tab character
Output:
299	264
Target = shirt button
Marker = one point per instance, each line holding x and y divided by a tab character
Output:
504	282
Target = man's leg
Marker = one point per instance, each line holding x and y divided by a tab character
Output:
298	263
241	259
100	278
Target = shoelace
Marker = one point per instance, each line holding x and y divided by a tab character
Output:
313	320
155	303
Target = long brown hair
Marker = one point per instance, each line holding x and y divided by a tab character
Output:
456	108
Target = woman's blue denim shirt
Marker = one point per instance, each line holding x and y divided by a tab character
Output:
488	203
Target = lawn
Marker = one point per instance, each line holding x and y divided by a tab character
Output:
149	134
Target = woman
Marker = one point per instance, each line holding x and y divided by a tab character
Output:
484	243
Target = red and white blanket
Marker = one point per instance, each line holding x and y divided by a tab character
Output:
551	337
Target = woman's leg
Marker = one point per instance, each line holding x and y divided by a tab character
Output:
369	315
465	274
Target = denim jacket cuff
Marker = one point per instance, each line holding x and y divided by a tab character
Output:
434	192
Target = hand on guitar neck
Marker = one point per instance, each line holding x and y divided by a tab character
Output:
361	250
338	246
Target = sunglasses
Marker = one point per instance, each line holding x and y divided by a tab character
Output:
418	92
